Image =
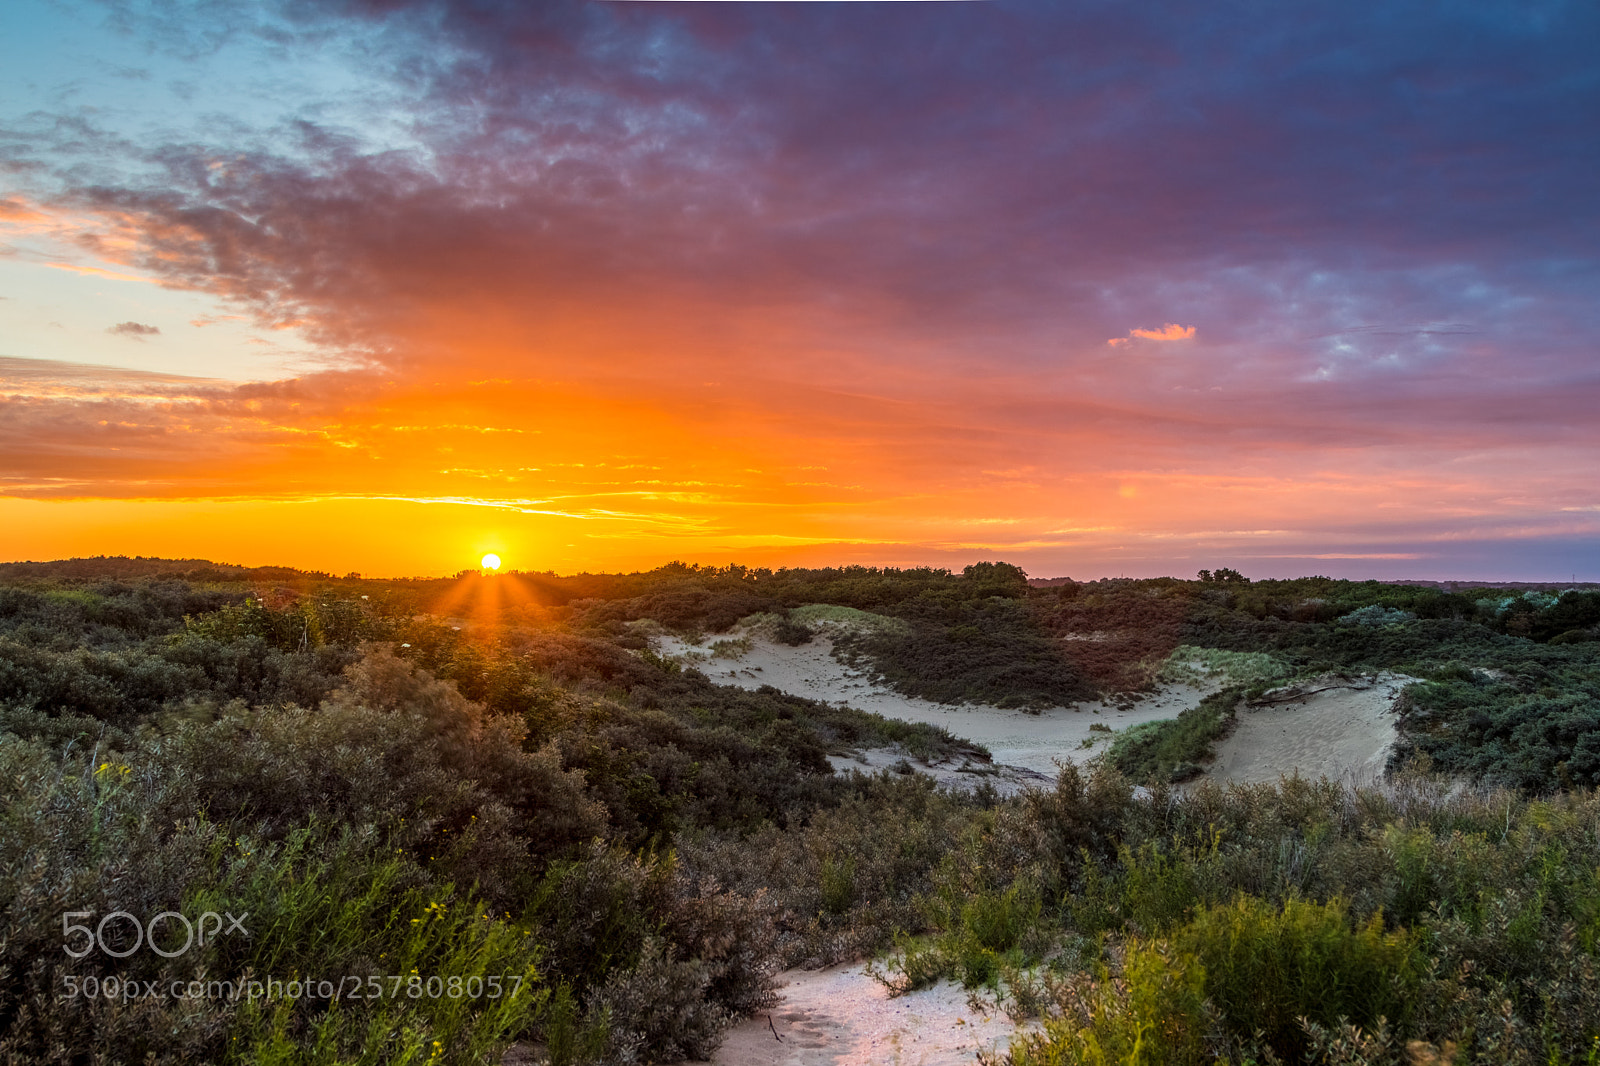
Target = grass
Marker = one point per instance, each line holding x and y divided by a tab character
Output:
1176	749
1195	666
832	618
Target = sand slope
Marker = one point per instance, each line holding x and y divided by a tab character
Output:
1342	730
841	1017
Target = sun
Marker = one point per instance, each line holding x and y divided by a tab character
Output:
491	561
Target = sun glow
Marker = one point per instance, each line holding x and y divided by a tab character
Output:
491	561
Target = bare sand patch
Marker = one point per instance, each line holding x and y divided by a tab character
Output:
842	1017
962	773
1031	742
1339	730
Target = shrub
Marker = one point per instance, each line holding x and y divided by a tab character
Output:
996	921
1375	615
968	650
837	880
621	927
1084	813
1266	967
420	763
792	633
657	1010
1174	750
1151	1014
325	901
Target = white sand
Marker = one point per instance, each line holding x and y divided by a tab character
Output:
1340	730
1029	742
841	1017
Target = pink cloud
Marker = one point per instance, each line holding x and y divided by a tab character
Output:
1169	332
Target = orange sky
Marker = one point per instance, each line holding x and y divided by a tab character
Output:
600	286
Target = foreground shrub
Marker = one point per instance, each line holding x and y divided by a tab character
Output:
660	958
1152	1014
327	903
1267	967
1247	978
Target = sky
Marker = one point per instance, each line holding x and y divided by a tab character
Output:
1099	289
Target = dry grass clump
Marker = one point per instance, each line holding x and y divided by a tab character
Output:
1196	666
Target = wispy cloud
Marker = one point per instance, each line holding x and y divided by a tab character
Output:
16	214
134	330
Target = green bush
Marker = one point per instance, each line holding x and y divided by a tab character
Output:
328	902
1153	1013
1174	750
997	921
1268	966
838	884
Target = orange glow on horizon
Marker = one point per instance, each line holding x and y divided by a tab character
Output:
391	324
608	443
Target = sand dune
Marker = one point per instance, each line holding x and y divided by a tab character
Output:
1030	743
1342	730
841	1017
1339	728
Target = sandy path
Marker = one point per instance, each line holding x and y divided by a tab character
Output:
1015	738
1343	732
841	1017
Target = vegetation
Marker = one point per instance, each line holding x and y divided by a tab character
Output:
496	782
1295	922
1531	727
1173	750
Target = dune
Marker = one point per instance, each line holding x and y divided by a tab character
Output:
1025	746
1340	729
1335	727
